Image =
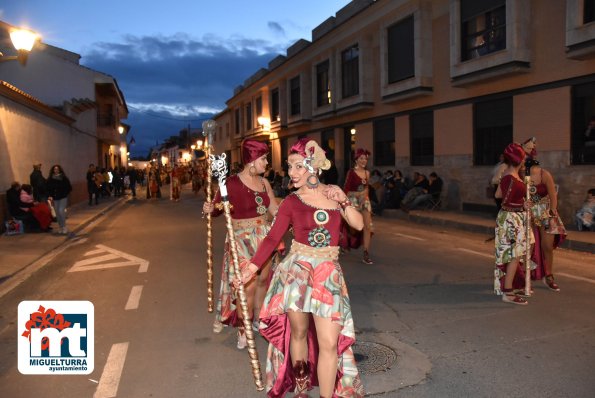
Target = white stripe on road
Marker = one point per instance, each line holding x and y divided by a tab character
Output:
408	236
477	253
110	378
134	298
580	278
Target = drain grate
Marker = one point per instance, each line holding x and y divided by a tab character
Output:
373	357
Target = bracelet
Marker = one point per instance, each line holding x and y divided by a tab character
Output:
345	204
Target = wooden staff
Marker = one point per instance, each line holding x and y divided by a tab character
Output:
208	128
220	171
528	239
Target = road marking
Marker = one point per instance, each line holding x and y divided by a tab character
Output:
110	378
408	236
580	278
21	275
134	298
107	254
477	253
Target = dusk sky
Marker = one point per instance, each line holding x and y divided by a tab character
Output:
176	62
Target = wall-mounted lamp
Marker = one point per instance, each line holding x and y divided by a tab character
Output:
353	131
22	40
264	122
121	129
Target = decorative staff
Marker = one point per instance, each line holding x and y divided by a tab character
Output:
219	168
528	237
208	128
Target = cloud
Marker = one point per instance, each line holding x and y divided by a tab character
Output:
276	28
177	76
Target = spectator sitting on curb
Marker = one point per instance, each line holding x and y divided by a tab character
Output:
40	210
420	186
432	192
15	208
585	220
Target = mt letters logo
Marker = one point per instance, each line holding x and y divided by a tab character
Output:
56	337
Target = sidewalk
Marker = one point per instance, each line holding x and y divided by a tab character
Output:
484	224
20	251
17	252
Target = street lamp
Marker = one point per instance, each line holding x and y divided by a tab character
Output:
22	40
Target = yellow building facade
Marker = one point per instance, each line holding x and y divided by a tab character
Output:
440	86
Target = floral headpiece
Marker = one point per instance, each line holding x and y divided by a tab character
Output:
314	155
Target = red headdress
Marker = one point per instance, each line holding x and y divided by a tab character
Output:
514	154
252	150
361	152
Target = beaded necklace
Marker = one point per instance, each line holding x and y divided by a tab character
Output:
260	208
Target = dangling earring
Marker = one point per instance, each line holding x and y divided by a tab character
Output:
312	181
252	170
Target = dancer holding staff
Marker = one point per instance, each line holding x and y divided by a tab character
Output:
208	129
512	239
251	197
220	171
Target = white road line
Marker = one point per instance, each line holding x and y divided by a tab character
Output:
477	253
580	278
408	236
110	378
134	298
99	259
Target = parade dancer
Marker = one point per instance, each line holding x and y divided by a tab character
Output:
511	229
548	227
251	197
306	315
357	189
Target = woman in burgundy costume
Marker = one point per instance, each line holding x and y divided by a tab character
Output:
511	238
251	197
306	315
357	189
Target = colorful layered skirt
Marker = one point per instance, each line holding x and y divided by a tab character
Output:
248	235
552	225
510	243
308	280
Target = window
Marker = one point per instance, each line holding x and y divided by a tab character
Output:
323	84
589	11
350	71
384	142
327	142
483	24
583	124
237	121
348	147
295	97
401	51
492	130
248	116
275	116
259	106
422	138
227	130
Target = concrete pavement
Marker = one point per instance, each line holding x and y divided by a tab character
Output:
19	252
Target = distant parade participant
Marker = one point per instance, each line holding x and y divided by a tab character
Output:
548	227
511	228
357	188
306	316
251	198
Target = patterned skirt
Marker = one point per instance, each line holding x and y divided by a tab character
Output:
553	225
248	235
307	281
510	243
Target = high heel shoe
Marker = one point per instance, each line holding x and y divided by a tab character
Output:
509	297
242	343
301	373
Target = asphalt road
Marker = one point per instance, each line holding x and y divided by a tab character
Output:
427	299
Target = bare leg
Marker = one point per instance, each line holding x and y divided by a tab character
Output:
511	269
547	247
367	229
298	345
327	334
261	288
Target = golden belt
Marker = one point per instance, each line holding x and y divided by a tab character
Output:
329	252
245	223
